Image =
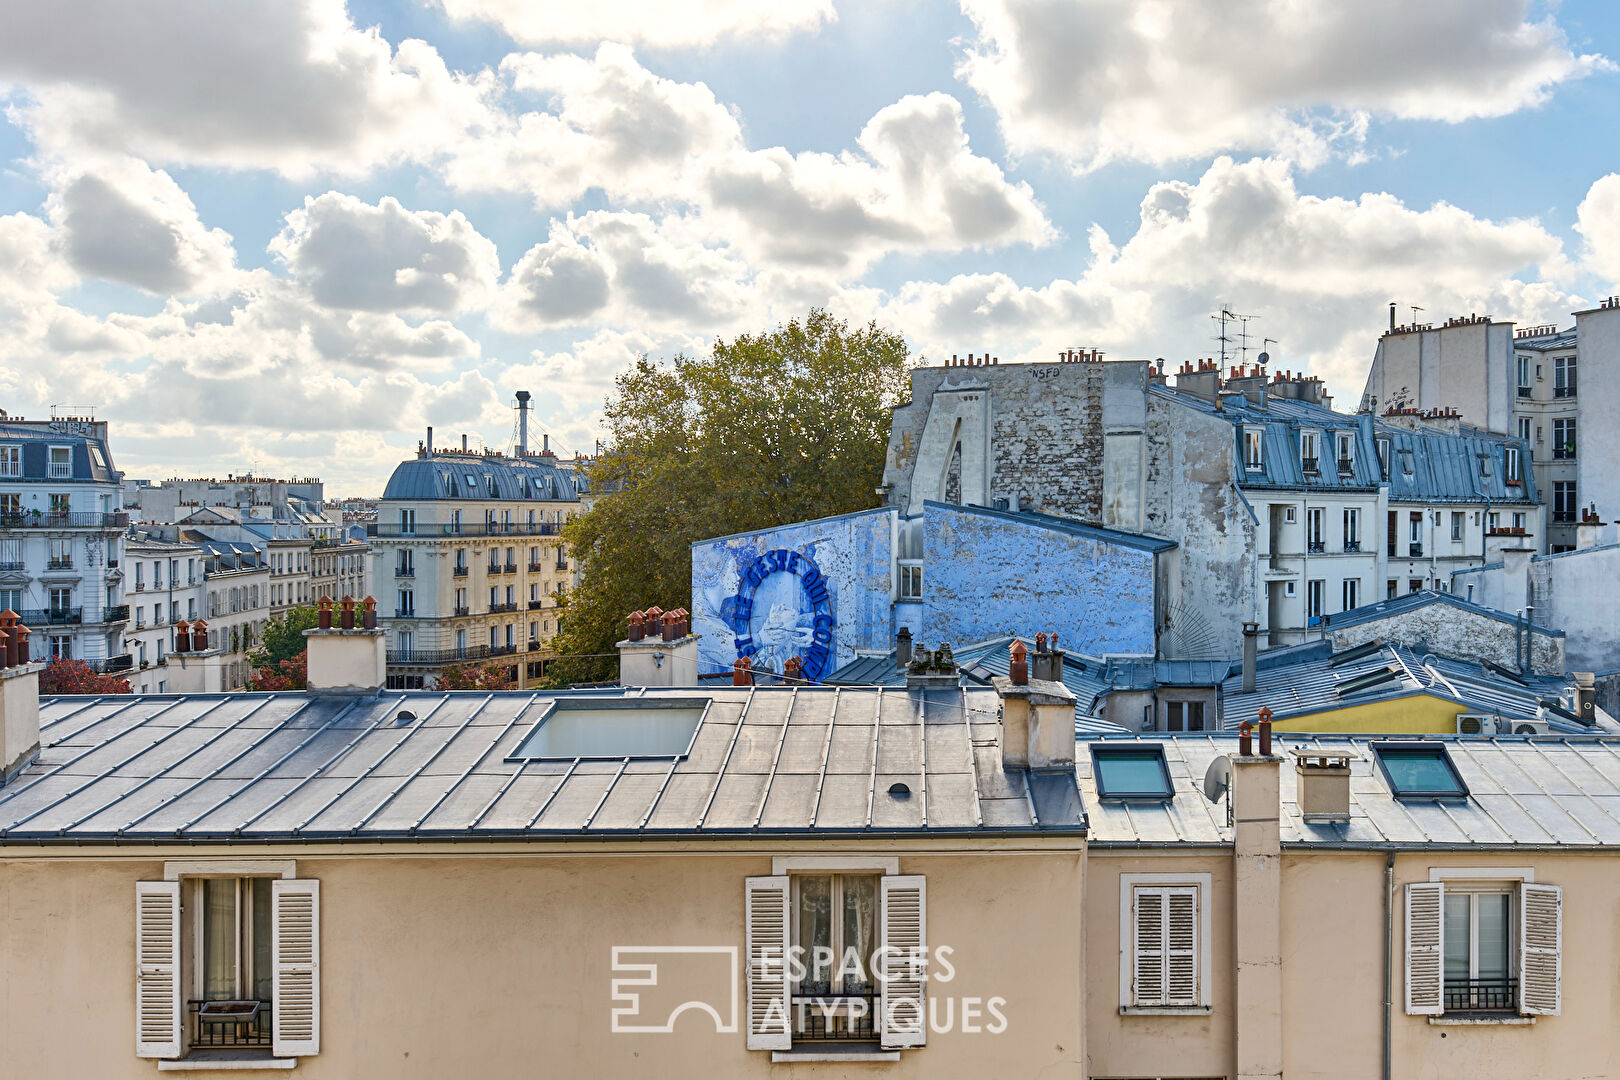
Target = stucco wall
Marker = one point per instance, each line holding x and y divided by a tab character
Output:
1452	631
1464	367
852	554
1577	592
1598	401
1192	498
478	966
988	575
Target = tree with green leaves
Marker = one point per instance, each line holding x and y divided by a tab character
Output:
283	640
767	429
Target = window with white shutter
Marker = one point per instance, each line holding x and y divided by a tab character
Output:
1425	948
767	973
903	978
1541	946
157	969
296	1019
1164	942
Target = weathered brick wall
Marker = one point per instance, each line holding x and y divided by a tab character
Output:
1048	437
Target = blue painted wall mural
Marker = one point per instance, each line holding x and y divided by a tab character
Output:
988	573
818	590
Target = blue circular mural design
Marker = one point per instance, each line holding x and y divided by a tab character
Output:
776	617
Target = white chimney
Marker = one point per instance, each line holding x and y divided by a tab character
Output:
523	422
19	717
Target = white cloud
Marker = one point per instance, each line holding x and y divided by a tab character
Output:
624	268
1598	222
290	86
383	258
665	24
913	183
122	221
1091	81
1318	271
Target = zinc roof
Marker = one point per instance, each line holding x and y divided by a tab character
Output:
1558	793
1400	605
472	476
295	766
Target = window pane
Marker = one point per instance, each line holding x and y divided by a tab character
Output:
815	931
1419	770
860	930
219	938
1457	936
1125	773
263	974
1493	935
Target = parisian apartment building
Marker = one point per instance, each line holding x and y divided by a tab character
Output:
61	538
470	562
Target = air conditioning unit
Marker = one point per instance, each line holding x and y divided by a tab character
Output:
1526	727
1468	724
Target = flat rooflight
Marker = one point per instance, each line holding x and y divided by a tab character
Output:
1135	771
1419	771
596	727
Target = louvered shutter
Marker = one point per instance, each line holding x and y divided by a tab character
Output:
157	969
1541	947
1147	960
902	997
295	1017
1425	948
1181	946
767	976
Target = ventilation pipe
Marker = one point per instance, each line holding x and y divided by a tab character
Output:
523	422
430	440
1251	649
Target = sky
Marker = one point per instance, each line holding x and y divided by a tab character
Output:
287	235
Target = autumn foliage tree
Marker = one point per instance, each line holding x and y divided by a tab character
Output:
768	428
494	676
289	674
281	662
62	676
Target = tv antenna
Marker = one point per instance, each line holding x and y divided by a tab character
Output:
1415	310
1226	317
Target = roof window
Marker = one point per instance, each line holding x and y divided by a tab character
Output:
1355	684
1419	771
595	727
1137	771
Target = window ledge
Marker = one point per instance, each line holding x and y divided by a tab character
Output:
1165	1010
856	1052
1512	1020
226	1059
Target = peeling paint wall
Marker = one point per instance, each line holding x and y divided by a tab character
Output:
852	554
987	576
1577	592
1191	496
1450	631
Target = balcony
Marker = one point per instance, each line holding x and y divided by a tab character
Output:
1309	465
1316	547
536	605
112	664
1564	391
1414	551
1482	995
10	567
404	613
36	520
460	571
436	657
116	613
510	568
1524	391
405	571
1352	546
462	610
494	568
534	568
55	616
501	609
451	528
59	564
1347	467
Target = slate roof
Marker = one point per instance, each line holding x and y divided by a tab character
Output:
91	457
1057	523
1428	465
764	761
1563	339
1401	605
1306	679
1523	793
469	476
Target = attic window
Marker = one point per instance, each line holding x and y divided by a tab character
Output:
1407	467
449	482
595	727
471	482
1136	772
1419	771
1356	684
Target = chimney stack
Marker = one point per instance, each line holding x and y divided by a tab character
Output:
660	649
347	659
1251	649
1323	779
430	440
19	699
1037	715
463	442
1256	809
902	648
523	422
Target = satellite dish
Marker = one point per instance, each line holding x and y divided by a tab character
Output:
1265	358
1218	778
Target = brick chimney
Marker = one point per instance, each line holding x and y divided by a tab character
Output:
660	649
19	698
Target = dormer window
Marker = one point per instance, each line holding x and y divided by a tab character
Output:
1308	460
1253	453
1346	447
1383	456
1514	473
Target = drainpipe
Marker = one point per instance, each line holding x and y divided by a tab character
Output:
1389	934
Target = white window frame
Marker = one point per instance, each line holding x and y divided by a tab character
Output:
51	464
11	460
1344	447
1310	449
1254	448
1128	883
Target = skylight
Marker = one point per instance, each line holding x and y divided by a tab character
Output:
1420	771
1366	681
1131	772
595	727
